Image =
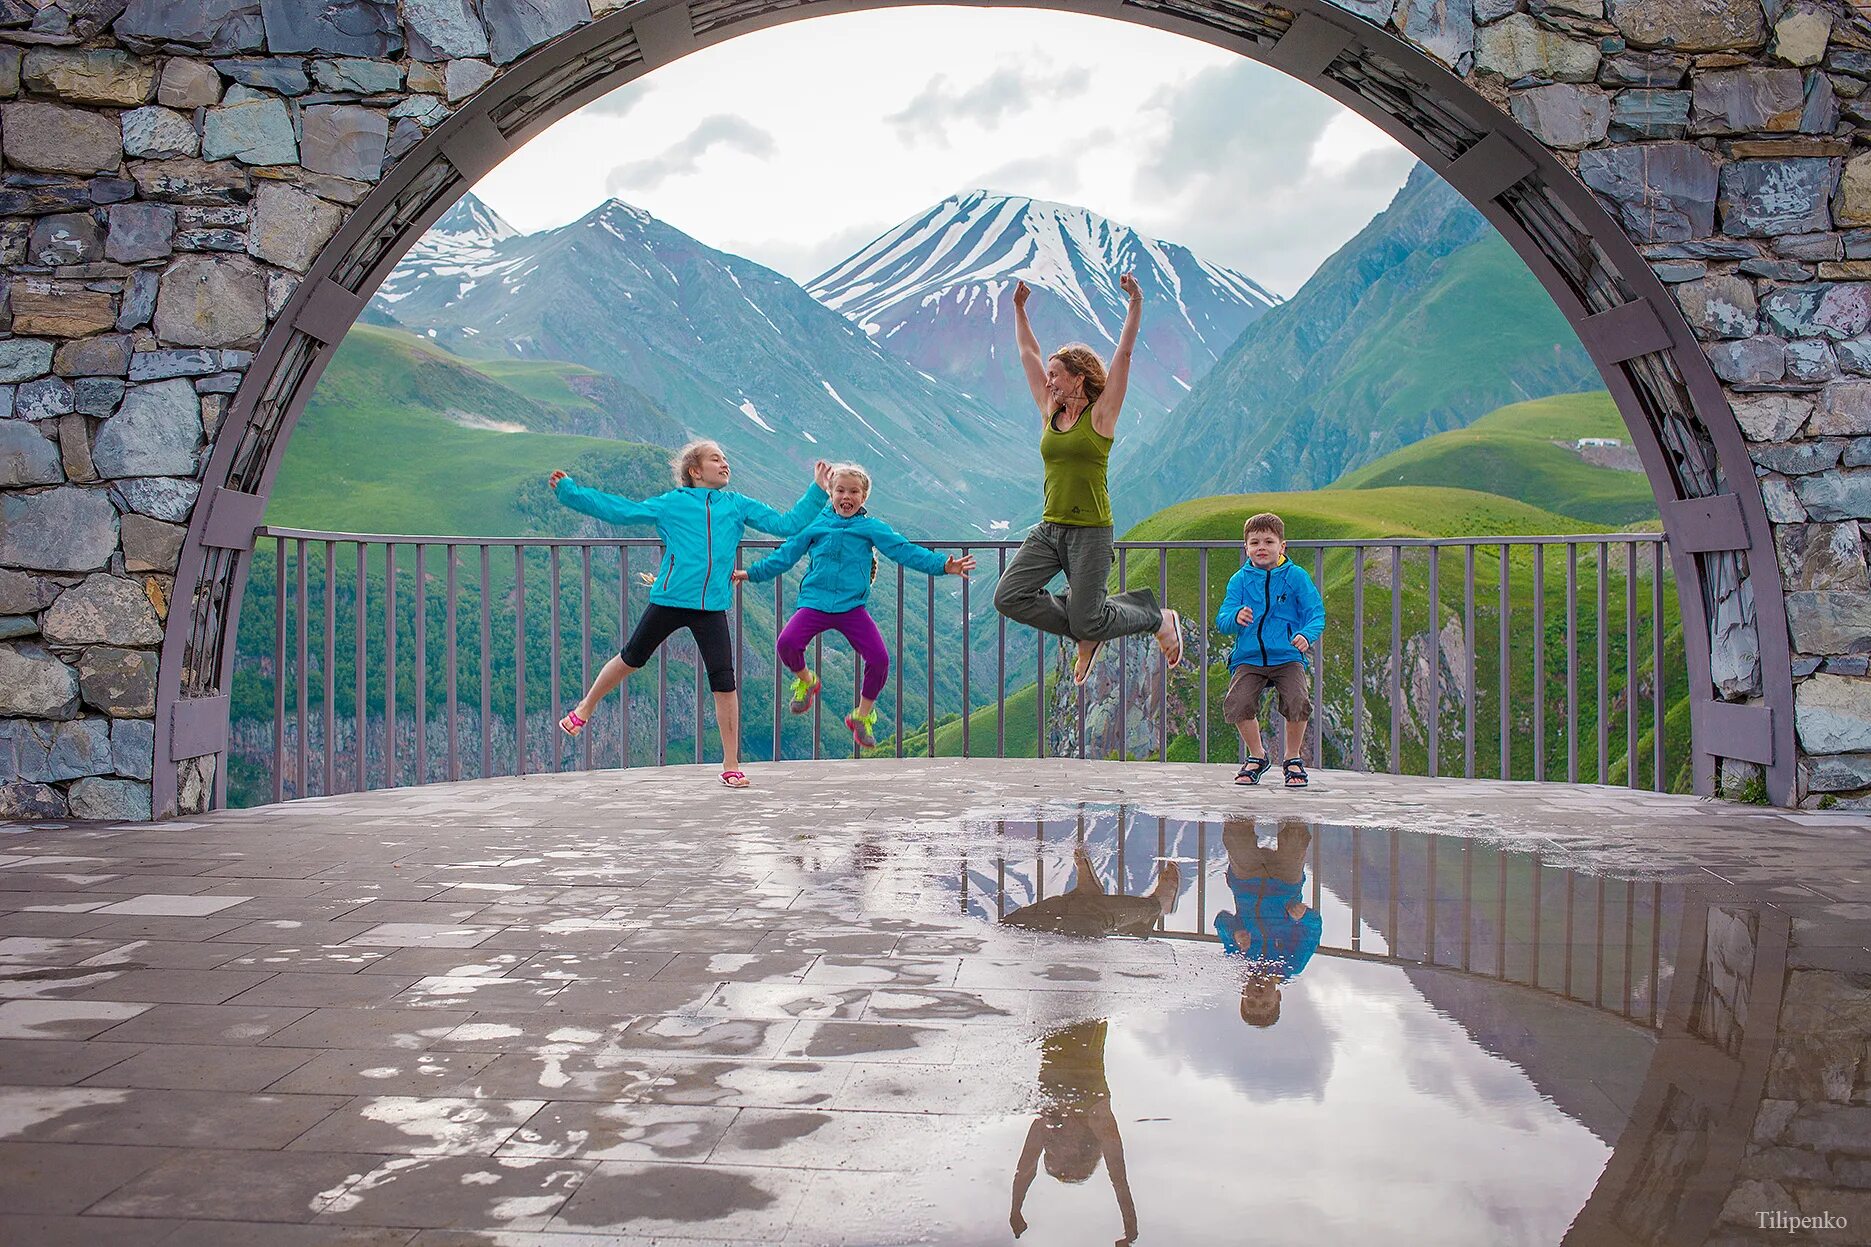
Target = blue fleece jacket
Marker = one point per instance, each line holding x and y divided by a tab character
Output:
1265	931
839	576
701	529
1286	604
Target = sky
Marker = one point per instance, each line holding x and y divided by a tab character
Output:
796	146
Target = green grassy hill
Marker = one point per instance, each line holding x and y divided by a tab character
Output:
382	447
1525	451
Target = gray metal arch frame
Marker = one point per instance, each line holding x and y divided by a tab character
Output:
1677	412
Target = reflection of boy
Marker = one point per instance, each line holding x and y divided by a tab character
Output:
1273	929
1075	1128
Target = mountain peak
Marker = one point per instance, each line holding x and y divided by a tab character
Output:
472	218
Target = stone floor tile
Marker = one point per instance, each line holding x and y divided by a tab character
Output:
419	1126
202	1067
62	1019
292	931
279	1234
169	955
480	992
204	1024
156	904
766	1000
204	1119
178	987
248	1185
24	950
67	1178
423	962
84	1231
747	1084
58	1062
871	1041
314	990
777	967
505	1193
380	1072
308	958
646	1132
422	935
685	1200
381	1027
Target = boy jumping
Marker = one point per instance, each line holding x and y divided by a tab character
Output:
1276	615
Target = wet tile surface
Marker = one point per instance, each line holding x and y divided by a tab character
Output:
850	1008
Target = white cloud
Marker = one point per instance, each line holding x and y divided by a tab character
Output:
796	140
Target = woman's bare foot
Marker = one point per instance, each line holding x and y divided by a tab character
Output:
1169	637
1087	656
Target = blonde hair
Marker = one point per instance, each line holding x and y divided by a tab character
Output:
1082	362
851	469
685	461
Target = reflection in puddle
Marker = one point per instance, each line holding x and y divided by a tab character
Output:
1388	1030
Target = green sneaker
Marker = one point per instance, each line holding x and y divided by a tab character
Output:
863	728
805	688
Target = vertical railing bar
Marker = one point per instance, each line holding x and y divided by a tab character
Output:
818	703
1357	658
1468	899
1123	666
519	660
1630	937
556	701
449	624
740	641
389	664
701	699
1539	663
1000	665
623	633
1598	949
1604	662
1203	626
487	667
331	666
901	662
1432	729
1039	693
1656	938
1630	665
779	668
1571	885
585	673
1394	931
662	705
929	636
1080	701
1357	889
1656	680
1500	913
1470	643
421	672
1433	882
1539	890
1572	662
1504	674
1162	720
1318	852
303	675
359	704
1396	659
1315	729
279	670
1201	876
967	697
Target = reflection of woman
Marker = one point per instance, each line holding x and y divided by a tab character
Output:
1075	1127
1273	930
1080	402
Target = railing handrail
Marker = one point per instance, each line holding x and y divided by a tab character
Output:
985	543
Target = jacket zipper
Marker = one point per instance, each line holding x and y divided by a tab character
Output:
1266	604
708	569
670	574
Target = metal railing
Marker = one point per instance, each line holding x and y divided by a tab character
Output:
1557	647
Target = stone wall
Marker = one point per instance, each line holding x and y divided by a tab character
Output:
170	168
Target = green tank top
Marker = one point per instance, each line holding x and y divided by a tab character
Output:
1077	488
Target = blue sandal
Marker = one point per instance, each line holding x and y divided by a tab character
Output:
1251	771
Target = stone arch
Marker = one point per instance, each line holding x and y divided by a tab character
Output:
1425	73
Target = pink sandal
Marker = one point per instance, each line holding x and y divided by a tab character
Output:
572	724
734	779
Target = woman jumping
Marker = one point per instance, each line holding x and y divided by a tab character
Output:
701	523
1080	402
841	542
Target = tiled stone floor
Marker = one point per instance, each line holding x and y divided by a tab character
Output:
635	1007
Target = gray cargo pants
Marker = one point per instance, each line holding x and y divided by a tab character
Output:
1085	613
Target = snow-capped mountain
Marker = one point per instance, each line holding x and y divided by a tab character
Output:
730	349
937	290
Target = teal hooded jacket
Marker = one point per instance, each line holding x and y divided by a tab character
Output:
839	577
1286	604
701	529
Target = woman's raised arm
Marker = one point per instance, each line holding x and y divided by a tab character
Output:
1031	362
1105	411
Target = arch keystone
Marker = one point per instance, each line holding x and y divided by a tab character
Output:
1308	46
665	35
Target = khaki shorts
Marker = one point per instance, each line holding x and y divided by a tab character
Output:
1247	682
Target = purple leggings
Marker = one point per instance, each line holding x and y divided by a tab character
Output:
857	627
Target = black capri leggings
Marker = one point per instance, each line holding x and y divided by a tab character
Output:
709	628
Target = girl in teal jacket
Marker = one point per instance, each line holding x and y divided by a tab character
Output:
701	523
841	542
